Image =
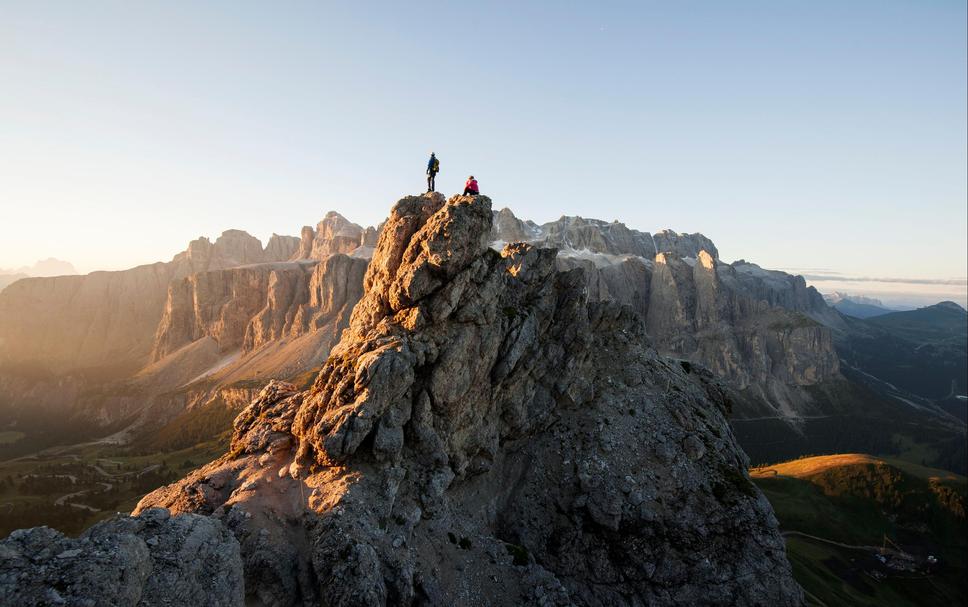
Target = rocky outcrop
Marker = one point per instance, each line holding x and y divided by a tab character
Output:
320	298
280	248
481	421
684	245
334	234
148	560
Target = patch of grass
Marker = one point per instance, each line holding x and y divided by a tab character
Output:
857	499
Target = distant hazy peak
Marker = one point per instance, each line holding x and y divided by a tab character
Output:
45	267
232	248
334	234
949	305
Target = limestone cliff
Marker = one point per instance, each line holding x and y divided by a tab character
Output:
109	319
252	307
325	297
482	430
334	234
755	327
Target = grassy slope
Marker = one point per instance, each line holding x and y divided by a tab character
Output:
857	499
111	478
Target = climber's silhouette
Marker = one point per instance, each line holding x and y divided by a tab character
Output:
470	188
433	166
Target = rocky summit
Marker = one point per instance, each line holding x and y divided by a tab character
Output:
482	434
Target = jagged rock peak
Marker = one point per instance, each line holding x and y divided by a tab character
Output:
571	234
280	247
480	420
333	234
684	245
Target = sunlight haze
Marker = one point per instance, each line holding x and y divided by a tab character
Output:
827	135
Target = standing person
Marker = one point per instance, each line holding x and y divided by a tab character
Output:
470	188
433	167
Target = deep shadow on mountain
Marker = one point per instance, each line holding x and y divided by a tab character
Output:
923	351
853	417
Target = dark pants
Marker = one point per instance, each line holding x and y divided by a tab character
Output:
470	192
430	181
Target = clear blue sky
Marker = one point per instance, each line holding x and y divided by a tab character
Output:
825	135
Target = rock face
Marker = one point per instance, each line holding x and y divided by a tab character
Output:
334	234
249	307
95	349
482	430
309	303
717	316
755	327
109	319
574	234
67	322
280	248
684	245
152	559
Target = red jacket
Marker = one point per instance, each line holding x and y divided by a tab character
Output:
472	185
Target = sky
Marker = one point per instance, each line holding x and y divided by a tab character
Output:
820	135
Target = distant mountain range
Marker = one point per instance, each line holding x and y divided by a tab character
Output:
857	306
923	352
139	347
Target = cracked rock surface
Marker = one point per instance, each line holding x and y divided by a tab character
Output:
150	560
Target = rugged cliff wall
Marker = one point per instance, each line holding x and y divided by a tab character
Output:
334	234
297	307
482	430
109	319
103	319
755	327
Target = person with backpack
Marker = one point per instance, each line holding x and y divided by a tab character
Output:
470	188
433	167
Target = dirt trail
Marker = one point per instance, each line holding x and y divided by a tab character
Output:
832	542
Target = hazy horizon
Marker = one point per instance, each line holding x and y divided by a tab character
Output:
821	135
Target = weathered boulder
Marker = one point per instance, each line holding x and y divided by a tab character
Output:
148	560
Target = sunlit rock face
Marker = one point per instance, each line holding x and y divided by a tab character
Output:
752	326
334	234
249	307
483	432
109	319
